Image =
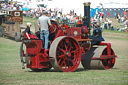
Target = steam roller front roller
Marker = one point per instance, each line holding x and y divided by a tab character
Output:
65	54
97	58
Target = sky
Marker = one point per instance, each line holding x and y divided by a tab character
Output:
94	3
78	4
74	3
68	5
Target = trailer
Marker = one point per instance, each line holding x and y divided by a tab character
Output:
10	21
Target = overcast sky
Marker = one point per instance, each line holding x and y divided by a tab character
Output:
94	3
67	5
78	4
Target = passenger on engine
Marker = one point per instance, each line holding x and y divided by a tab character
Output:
27	33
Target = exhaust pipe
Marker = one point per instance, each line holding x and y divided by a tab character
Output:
86	18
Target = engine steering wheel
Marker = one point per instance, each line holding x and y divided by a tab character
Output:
52	29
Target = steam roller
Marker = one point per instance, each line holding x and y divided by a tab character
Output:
98	57
67	47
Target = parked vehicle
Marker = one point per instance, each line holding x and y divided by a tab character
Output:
10	21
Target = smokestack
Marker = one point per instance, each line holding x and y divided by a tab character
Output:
86	20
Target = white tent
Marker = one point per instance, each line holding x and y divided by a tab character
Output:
115	5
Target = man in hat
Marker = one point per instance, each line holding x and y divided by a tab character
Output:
43	23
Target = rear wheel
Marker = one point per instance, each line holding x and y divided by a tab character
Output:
1	31
17	36
1	34
66	54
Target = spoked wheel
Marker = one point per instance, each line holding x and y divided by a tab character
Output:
54	27
1	31
108	63
66	54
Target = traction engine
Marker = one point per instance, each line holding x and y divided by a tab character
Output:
67	47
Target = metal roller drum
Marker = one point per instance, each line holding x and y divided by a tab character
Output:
92	59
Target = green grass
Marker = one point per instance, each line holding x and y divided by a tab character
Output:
28	19
115	34
11	72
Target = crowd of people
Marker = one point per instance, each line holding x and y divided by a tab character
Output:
53	14
123	21
107	24
6	5
72	18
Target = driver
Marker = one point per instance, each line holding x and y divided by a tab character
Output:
44	23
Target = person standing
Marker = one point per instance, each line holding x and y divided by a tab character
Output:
115	15
108	14
118	18
125	13
127	25
105	24
44	23
109	24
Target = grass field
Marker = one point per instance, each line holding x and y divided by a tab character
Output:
11	72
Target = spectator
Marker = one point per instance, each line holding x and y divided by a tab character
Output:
105	24
68	17
118	18
112	28
102	14
127	25
122	19
125	13
109	23
71	19
108	14
115	15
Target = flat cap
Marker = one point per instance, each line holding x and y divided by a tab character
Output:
28	23
45	12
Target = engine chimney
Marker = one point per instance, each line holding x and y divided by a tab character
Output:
86	18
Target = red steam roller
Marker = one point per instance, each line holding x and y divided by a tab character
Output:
69	47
